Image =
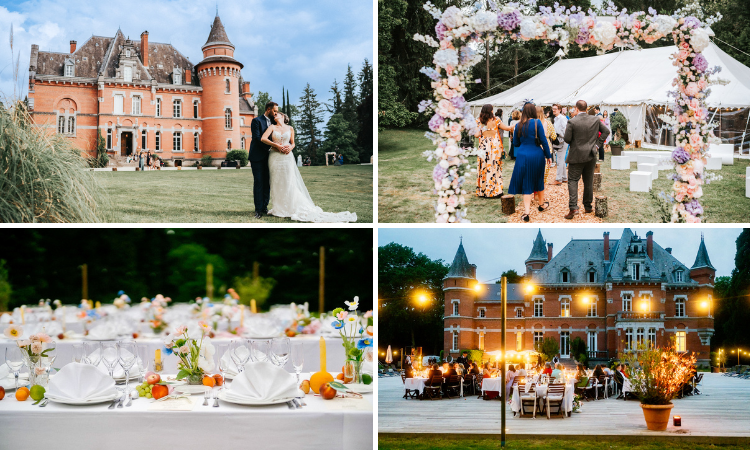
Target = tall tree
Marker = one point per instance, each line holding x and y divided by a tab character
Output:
309	119
339	138
364	137
733	301
403	319
283	100
349	106
334	107
365	81
262	99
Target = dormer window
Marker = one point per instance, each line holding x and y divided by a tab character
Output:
69	68
635	271
127	53
127	74
591	275
177	76
565	276
678	276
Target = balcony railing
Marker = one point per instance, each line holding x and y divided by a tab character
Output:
634	315
598	354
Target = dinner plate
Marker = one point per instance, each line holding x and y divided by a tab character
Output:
190	389
9	383
91	401
360	388
249	402
87	338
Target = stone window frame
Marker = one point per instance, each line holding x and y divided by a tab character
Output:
482	312
242	142
569	299
648	295
125	70
196	108
140	104
588	275
177	76
177	141
177	107
533	303
519	310
593	306
565	270
157	141
65	124
228	118
69	64
109	138
680	340
454	340
455	305
159	102
684	305
144	139
115	94
679	275
622	297
227	86
196	142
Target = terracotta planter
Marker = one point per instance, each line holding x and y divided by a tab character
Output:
616	150
657	416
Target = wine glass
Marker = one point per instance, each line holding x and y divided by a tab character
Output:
14	360
298	359
92	352
240	354
51	356
110	356
260	349
79	354
143	360
127	357
223	363
280	348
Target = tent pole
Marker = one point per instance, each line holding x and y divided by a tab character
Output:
745	132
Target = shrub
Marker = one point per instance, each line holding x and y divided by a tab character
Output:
206	160
475	355
42	177
5	288
548	348
578	350
238	155
619	126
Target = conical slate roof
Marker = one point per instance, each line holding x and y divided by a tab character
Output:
539	250
701	259
217	35
461	266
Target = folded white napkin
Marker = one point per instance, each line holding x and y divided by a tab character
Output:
261	327
263	381
53	329
4	371
231	366
103	331
80	382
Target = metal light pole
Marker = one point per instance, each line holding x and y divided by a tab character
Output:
504	300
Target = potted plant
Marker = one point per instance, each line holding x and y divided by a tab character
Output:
656	376
619	126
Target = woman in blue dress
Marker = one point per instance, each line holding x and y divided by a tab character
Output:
528	173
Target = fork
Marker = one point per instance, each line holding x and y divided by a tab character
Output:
297	403
44	403
122	400
290	405
114	403
130	400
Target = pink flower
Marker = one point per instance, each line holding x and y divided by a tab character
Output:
34	338
691	89
637	25
39	370
590	22
702	84
44	337
695	104
617	24
184	349
695	139
453	201
204	326
453	82
36	347
455	128
24	343
342	315
182	329
683	54
449	93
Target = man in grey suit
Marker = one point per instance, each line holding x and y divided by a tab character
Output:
582	133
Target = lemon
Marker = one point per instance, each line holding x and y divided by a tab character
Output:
37	392
366	378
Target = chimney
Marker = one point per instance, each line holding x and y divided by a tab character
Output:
188	76
474	271
606	245
144	48
549	252
73	46
650	245
669	250
246	87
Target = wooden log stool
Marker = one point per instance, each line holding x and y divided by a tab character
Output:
600	206
597	182
508	204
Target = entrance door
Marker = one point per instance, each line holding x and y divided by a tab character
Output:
565	344
126	143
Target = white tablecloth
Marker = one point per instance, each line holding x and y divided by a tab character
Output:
541	392
415	384
335	357
323	424
492	384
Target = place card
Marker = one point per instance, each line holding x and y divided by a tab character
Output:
173	404
348	404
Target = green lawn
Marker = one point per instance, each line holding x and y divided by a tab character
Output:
415	442
405	188
215	196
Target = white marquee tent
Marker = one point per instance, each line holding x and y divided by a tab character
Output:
636	82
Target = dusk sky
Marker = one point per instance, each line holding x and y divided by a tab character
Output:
283	42
495	250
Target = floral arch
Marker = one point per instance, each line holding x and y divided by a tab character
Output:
458	31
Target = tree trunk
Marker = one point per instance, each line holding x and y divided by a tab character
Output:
487	60
515	67
597	182
508	204
600	206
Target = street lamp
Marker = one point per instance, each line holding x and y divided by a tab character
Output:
478	287
739	350
706	304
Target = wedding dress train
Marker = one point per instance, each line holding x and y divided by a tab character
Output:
289	196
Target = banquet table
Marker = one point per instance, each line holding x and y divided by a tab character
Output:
335	357
415	384
541	392
492	384
341	423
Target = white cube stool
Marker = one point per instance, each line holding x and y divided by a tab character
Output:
714	163
620	163
640	181
747	187
649	167
646	159
725	151
747	172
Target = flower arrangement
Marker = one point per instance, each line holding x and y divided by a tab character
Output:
656	375
196	355
458	31
350	328
577	404
303	323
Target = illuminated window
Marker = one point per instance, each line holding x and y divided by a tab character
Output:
592	308
519	341
680	341
565	308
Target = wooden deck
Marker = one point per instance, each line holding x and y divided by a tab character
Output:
723	409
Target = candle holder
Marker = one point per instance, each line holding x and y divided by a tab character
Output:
158	366
677	421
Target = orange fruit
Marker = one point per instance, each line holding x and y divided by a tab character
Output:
22	394
219	379
209	381
340	376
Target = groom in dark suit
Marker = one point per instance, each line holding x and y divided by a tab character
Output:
259	160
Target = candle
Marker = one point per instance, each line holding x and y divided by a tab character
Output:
157	356
98	304
63	319
322	354
253	308
23	319
242	316
677	421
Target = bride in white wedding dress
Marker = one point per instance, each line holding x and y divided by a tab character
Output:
289	196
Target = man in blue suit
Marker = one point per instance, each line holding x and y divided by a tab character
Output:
258	157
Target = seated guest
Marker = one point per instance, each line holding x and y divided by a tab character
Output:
597	371
487	371
509	377
547	369
624	370
474	369
521	372
460	369
557	373
449	370
435	372
580	372
409	371
607	371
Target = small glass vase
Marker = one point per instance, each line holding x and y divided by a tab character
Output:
353	371
35	364
195	378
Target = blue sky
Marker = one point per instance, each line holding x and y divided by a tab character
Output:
496	250
283	42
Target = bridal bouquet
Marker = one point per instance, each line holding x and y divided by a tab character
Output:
196	355
351	327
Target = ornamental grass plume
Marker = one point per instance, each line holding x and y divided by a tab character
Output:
656	375
42	177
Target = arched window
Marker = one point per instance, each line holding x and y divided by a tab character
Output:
228	119
242	142
228	89
61	125
229	144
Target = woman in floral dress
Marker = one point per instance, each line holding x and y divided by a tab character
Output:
490	162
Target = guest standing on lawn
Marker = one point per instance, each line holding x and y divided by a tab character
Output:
549	131
560	121
490	162
605	119
585	134
532	149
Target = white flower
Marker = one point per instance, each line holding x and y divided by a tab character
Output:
485	21
453	17
700	40
665	25
353	305
529	29
605	33
206	356
446	57
441	208
507	9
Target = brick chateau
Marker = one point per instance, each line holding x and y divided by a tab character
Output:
612	293
144	95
